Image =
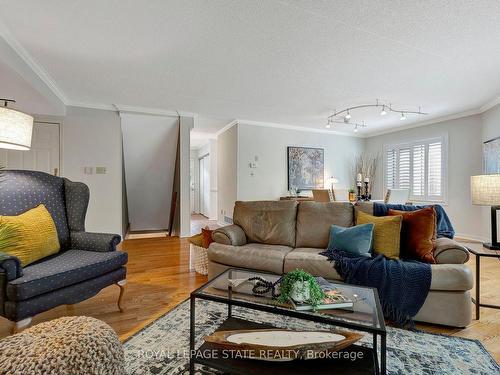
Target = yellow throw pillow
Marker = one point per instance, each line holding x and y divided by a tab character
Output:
386	233
30	236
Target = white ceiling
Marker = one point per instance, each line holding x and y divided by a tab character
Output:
14	86
290	62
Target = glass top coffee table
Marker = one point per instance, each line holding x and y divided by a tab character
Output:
365	316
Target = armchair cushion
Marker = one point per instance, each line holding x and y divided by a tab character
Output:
230	235
94	241
61	270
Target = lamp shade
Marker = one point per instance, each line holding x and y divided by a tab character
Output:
16	129
485	189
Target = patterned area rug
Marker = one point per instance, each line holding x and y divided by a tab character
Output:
162	347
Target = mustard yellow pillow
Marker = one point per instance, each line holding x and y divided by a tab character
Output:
386	233
30	236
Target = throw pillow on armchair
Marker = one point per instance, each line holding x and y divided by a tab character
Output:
29	236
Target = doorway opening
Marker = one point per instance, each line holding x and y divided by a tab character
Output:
203	181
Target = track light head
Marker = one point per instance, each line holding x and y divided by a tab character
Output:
403	117
383	112
356	129
348	116
328	126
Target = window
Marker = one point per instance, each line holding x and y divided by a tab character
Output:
418	166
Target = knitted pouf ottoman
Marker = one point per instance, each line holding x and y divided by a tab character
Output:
71	345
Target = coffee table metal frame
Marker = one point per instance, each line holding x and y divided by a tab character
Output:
318	318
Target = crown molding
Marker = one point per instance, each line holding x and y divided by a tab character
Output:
153	111
226	127
127	109
100	106
492	103
425	123
298	128
42	74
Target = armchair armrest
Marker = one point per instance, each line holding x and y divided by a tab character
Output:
230	235
448	251
10	265
101	242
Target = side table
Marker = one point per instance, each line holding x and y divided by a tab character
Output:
480	251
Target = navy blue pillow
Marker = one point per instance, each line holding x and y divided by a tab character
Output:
353	240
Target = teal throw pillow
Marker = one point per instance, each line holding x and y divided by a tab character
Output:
353	240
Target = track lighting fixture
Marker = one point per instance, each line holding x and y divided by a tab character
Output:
344	116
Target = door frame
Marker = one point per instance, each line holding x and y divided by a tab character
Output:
204	158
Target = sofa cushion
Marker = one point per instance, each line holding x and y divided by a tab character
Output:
365	206
310	260
61	270
455	277
267	222
254	256
314	220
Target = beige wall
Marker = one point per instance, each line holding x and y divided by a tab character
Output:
93	138
464	160
269	146
227	151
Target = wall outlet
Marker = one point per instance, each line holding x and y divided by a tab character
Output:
100	170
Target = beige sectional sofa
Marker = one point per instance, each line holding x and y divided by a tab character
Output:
280	236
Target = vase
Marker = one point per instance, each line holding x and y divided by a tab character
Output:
352	197
300	291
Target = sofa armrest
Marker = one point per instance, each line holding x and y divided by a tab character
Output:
448	251
101	242
230	235
10	265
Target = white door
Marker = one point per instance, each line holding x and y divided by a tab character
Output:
205	186
43	155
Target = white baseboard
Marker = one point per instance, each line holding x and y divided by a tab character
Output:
470	237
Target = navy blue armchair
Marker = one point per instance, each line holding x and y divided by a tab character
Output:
87	262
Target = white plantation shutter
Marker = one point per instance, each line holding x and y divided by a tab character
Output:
404	168
435	172
390	174
418	188
418	166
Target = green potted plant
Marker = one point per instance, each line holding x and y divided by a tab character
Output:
302	287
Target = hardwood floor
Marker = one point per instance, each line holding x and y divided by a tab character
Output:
160	277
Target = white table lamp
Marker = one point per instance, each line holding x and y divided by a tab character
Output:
16	128
485	191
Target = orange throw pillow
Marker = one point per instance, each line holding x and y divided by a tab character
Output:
206	237
418	233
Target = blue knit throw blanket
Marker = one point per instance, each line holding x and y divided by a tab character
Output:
402	285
